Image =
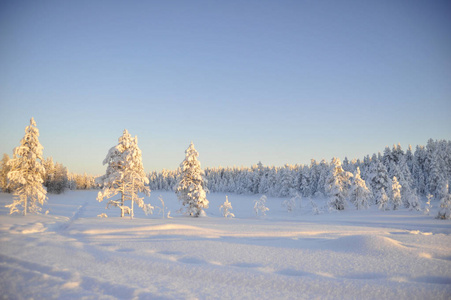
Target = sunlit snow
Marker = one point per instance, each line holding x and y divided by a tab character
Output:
365	254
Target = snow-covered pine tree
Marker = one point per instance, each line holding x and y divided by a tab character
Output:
405	179
337	185
413	201
445	206
383	199
323	174
435	174
49	167
314	177
4	170
378	179
125	176
225	208
286	181
191	186
305	182
56	179
59	180
260	206
396	193
418	169
263	186
27	173
359	194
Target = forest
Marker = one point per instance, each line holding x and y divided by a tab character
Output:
427	170
390	179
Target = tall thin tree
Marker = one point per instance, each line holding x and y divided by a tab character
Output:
191	187
27	173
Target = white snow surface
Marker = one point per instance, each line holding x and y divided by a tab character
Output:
70	253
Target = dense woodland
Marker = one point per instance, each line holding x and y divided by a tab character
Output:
56	179
427	170
420	172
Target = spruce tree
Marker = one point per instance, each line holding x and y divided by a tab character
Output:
27	173
4	170
383	199
191	185
337	185
359	195
445	205
59	180
396	193
125	176
379	179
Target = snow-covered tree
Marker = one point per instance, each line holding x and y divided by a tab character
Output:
445	207
428	206
125	176
314	176
379	179
337	185
305	182
4	170
383	199
396	193
260	206
191	186
27	173
291	204
419	169
225	208
84	181
285	181
359	194
56	179
323	174
49	167
436	173
413	201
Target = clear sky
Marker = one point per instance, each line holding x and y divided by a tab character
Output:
246	81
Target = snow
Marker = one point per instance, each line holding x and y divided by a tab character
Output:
71	253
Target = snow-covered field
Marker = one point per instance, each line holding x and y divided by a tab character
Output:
70	253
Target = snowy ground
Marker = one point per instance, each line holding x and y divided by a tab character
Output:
70	253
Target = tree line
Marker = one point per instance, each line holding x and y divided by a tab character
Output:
390	180
56	178
427	170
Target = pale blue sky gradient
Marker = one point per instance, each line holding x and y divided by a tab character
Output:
246	81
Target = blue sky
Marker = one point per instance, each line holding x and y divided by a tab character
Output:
246	81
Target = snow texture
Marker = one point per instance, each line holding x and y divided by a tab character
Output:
71	253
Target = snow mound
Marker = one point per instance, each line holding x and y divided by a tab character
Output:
28	228
366	245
